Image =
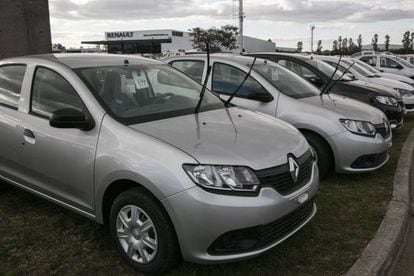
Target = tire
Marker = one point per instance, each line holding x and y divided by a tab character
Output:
150	244
323	153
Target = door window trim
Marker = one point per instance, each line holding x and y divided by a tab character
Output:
194	60
237	96
21	87
85	109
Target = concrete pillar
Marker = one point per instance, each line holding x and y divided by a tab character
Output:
24	28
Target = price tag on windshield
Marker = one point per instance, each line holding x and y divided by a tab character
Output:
140	80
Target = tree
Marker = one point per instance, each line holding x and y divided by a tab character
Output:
387	43
319	48
345	46
359	42
340	42
374	42
300	46
214	39
412	41
335	47
406	41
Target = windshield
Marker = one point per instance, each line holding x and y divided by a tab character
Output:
403	61
135	94
328	70
357	68
367	67
285	80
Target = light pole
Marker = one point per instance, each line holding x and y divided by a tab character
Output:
312	27
241	19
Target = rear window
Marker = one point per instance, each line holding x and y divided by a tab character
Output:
11	79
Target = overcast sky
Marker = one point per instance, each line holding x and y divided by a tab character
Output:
284	21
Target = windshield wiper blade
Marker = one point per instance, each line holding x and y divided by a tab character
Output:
336	81
227	103
203	89
333	74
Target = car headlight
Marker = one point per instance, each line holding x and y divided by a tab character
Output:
223	178
359	127
387	100
404	92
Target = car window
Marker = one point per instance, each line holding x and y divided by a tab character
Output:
285	80
11	79
227	78
369	60
192	68
52	92
389	63
297	68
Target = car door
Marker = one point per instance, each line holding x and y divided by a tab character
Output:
226	78
59	162
11	80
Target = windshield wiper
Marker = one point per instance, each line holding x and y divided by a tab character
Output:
336	81
241	84
203	89
333	74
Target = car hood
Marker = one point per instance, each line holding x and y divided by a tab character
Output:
230	136
376	88
396	77
391	83
347	108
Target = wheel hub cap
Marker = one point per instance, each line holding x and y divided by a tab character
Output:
137	234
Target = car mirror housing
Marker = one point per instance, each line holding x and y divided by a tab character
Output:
316	81
70	118
261	97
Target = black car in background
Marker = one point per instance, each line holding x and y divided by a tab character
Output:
319	73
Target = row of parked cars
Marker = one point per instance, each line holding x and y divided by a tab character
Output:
210	174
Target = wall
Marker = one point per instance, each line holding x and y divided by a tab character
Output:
24	27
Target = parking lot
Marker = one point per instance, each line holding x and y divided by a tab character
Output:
38	237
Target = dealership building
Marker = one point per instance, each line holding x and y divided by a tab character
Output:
162	41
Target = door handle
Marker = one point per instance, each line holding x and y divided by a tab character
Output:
29	136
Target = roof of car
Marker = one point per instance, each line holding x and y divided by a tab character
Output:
296	55
89	60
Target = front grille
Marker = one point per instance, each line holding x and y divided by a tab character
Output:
258	237
383	129
409	106
280	179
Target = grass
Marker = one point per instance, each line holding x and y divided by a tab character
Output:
37	237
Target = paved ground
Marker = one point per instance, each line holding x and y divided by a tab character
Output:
404	266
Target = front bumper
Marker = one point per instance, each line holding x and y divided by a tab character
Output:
409	102
350	148
395	114
201	217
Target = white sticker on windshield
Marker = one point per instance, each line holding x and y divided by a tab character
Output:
140	81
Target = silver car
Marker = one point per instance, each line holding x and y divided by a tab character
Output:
346	134
118	140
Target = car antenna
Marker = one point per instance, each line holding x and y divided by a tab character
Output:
333	74
203	89
227	103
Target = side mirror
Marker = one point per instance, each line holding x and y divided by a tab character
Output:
261	97
399	67
316	81
163	77
70	118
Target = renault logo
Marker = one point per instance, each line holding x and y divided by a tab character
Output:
293	169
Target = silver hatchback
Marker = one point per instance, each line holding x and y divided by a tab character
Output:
118	140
